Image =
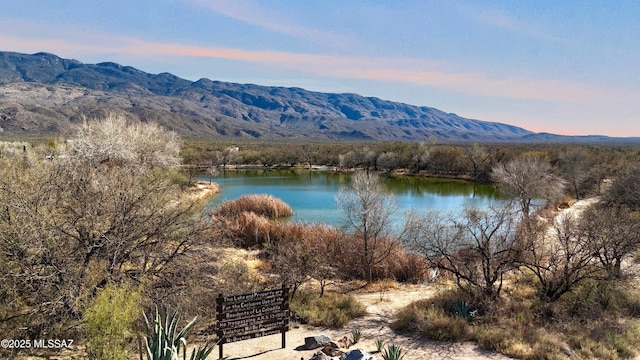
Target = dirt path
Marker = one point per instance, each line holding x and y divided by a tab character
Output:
373	326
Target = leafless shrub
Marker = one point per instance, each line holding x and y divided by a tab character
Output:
478	247
306	252
561	260
368	210
528	179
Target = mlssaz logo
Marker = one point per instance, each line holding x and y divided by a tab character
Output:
53	344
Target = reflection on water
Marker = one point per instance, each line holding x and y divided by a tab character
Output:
311	194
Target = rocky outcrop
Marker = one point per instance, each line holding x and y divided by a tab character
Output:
315	341
332	350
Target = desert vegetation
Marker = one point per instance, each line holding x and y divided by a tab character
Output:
570	277
102	226
103	213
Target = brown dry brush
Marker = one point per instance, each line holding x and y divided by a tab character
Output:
305	252
404	266
329	252
261	204
249	229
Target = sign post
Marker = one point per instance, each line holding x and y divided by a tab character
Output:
249	316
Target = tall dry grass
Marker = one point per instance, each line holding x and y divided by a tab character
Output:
260	204
333	310
598	320
256	230
392	261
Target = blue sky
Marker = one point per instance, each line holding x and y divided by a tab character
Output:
566	67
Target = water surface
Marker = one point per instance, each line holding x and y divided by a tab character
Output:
312	194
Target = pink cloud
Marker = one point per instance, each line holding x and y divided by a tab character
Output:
401	70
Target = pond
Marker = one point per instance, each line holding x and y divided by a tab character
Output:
312	194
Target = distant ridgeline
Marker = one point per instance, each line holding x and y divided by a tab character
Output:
43	94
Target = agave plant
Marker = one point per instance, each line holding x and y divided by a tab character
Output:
356	334
163	340
379	345
392	352
463	310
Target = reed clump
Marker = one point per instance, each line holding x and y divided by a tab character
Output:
265	205
253	229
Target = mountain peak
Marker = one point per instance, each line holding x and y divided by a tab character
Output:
61	90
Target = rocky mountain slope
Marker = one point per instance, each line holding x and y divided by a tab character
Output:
43	94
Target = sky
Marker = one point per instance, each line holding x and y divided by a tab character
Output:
568	67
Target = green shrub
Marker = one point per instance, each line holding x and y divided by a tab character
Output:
492	338
110	322
333	309
431	322
592	299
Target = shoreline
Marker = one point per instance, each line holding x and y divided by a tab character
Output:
342	170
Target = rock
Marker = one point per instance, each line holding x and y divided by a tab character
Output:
566	350
332	349
345	342
319	356
316	341
357	354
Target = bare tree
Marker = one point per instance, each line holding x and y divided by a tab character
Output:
213	171
368	210
479	158
292	260
528	179
228	156
387	161
560	258
625	189
305	252
573	163
612	234
422	154
364	157
478	247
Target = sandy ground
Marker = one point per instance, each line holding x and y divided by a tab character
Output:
373	326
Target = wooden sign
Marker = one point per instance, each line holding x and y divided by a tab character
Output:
249	316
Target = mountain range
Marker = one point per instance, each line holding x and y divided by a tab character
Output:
43	95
